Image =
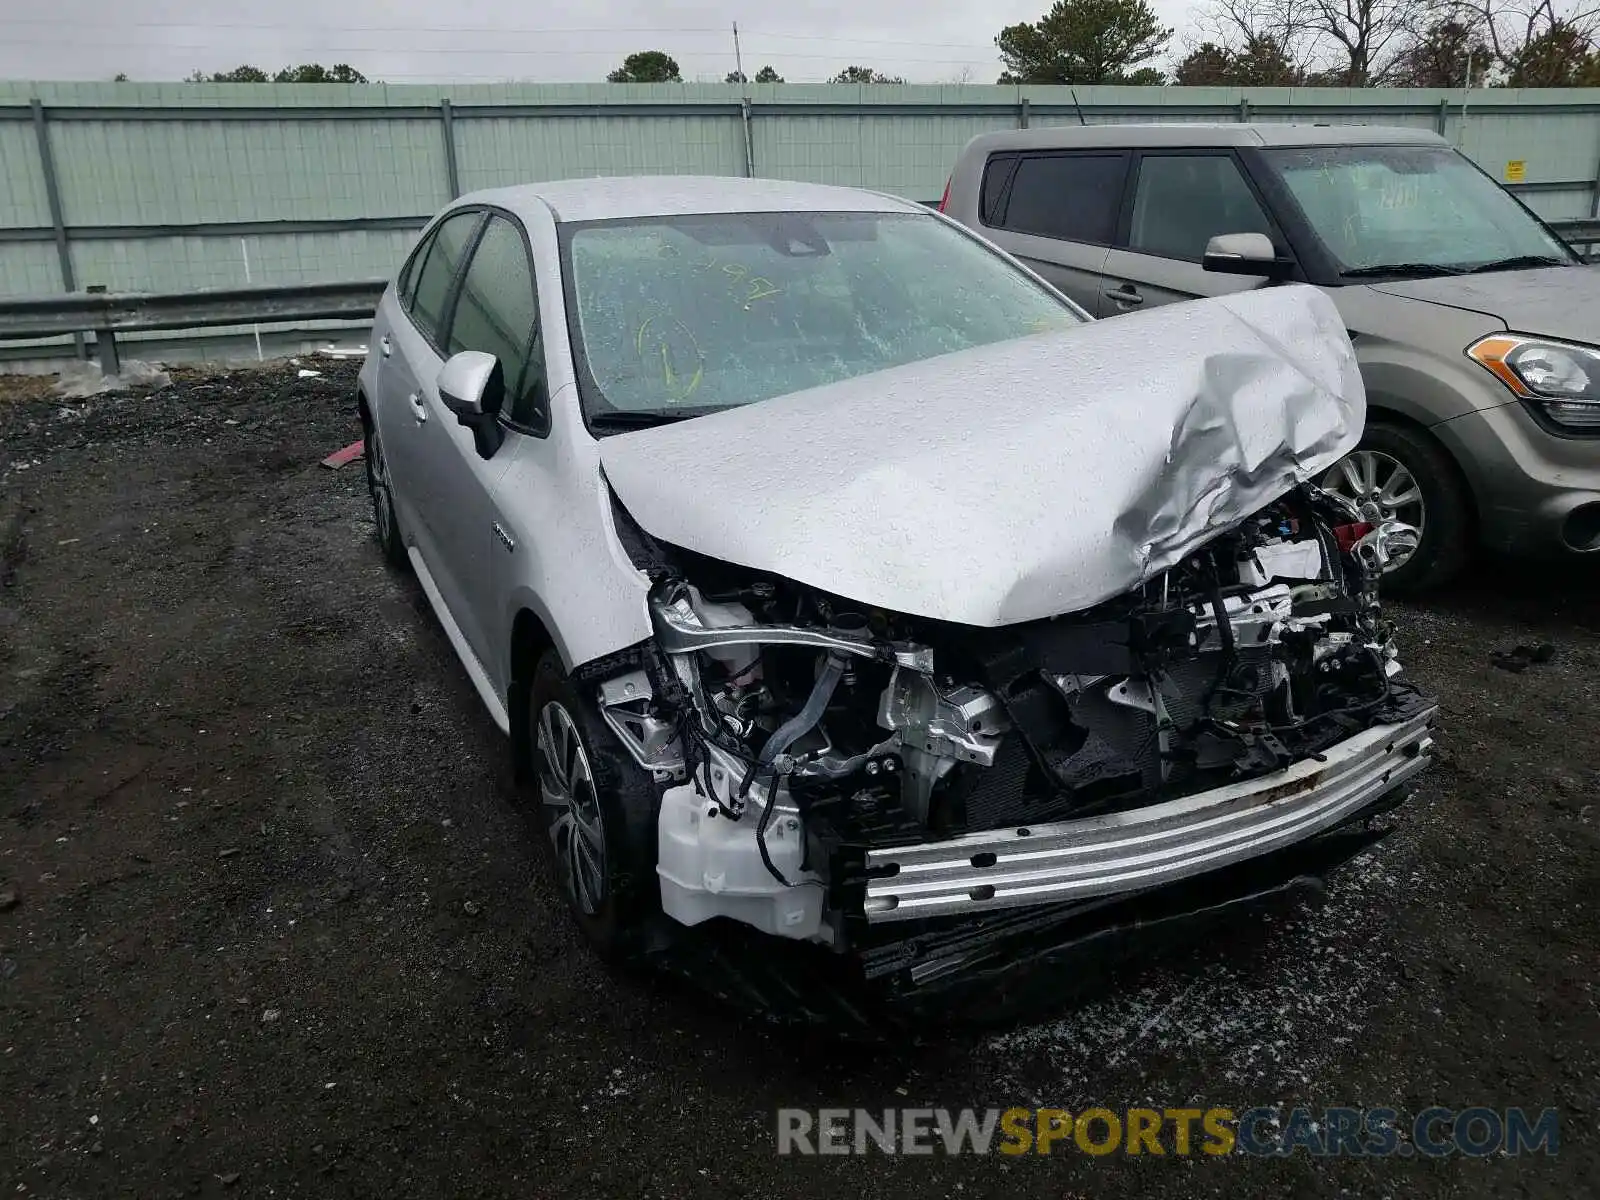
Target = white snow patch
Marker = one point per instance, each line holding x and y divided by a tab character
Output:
84	379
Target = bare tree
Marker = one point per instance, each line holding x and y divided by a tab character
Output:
1260	62
1452	52
1408	43
1512	26
1233	25
1332	43
1372	34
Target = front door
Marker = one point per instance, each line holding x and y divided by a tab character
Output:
408	378
1181	200
495	311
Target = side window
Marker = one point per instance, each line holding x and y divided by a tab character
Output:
1071	196
995	177
498	312
437	272
1182	201
407	286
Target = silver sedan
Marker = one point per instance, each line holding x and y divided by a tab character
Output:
835	576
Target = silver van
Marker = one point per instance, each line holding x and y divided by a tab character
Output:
1477	329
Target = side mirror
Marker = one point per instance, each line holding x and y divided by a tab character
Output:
1245	254
472	386
464	384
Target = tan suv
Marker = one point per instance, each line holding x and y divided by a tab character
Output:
1477	329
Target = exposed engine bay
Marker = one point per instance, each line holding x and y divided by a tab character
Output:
826	768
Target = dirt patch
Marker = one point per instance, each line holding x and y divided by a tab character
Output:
16	388
278	925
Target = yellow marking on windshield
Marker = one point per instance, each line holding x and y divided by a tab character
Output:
747	288
676	388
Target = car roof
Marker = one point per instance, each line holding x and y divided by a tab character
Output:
1194	133
616	196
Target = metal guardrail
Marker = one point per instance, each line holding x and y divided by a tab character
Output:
1582	235
110	313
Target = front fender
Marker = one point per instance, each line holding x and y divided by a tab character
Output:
565	564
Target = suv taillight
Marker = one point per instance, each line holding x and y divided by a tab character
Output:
945	199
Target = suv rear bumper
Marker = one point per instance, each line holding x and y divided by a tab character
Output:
1146	847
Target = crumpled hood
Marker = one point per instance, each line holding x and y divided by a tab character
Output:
1558	302
1021	480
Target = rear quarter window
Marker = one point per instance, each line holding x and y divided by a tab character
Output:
1073	197
406	285
996	174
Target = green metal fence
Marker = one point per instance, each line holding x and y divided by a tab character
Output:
168	187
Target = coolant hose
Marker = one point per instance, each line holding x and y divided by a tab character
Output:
797	726
786	735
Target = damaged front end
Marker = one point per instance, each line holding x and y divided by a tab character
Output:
933	800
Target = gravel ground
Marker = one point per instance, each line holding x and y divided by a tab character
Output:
272	921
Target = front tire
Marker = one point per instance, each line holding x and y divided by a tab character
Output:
597	809
390	539
1401	472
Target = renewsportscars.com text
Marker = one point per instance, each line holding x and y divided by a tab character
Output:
1180	1132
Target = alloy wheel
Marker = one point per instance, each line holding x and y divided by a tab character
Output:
1384	489
566	787
378	485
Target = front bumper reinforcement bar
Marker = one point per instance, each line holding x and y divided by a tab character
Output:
1146	847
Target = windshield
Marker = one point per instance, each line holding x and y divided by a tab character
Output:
676	316
1410	207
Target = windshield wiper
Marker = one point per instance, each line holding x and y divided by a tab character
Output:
622	420
1519	260
1420	270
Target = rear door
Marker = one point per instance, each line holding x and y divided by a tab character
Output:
409	376
1057	212
495	311
1179	200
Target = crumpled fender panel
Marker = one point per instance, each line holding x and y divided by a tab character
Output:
1016	481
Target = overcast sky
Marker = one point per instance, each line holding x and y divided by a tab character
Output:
413	41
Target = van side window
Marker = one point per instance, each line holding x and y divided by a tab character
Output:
995	177
1182	201
1069	196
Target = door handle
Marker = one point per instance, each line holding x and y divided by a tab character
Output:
1126	294
386	347
419	410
